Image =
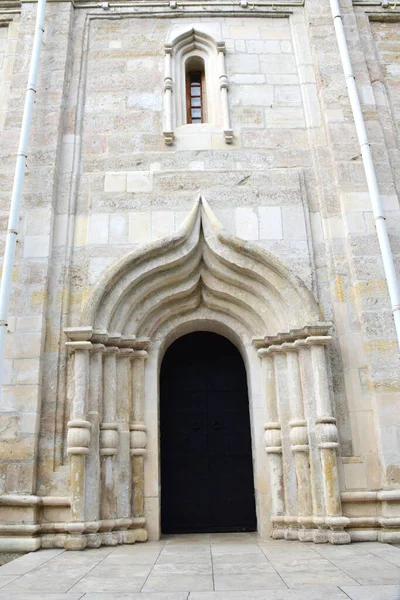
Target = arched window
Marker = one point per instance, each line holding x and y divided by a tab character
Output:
196	92
195	83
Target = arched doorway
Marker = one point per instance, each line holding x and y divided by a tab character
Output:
206	459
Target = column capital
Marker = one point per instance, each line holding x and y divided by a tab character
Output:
111	350
221	47
125	352
98	348
142	354
79	334
77	346
289	347
318	340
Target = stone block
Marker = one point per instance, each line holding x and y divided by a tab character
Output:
245	32
23	345
29	323
36	246
278	63
270	222
287	95
294	227
60	230
98	229
26	370
162	224
115	182
242	63
139	181
139	227
355	476
80	231
249	95
281	79
37	222
247	79
284	118
246	223
118	229
247	116
355	222
263	47
196	165
275	33
202	141
96	268
145	100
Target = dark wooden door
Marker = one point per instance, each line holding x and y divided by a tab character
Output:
206	460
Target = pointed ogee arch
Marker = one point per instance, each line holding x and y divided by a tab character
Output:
200	265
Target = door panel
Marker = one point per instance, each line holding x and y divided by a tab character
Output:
206	460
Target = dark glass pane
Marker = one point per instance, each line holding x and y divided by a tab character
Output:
196	113
195	102
196	121
195	77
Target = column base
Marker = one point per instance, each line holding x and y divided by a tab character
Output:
389	537
291	533
306	535
320	536
75	542
277	533
339	537
20	544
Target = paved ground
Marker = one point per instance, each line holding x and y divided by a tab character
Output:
207	567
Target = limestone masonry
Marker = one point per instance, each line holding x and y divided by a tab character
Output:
138	227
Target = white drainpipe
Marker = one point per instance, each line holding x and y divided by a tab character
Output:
13	222
379	215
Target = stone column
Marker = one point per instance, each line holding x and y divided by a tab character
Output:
224	86
138	443
299	443
124	483
95	407
273	440
327	435
109	442
78	445
168	128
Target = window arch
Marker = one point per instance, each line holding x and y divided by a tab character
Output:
193	51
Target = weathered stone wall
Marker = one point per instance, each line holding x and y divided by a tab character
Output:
101	182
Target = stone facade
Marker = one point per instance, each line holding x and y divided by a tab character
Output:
130	238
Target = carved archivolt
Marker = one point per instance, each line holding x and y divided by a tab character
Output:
200	264
200	268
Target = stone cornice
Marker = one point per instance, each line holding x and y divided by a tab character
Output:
318	329
78	335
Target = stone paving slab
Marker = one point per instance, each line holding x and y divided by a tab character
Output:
207	567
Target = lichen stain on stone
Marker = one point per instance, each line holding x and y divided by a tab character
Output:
393	474
339	288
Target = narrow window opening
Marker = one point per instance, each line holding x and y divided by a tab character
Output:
195	91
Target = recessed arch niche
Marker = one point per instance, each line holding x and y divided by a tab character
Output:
201	277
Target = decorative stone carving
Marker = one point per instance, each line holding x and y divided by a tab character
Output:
273	439
195	42
109	439
138	439
78	436
201	265
328	442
